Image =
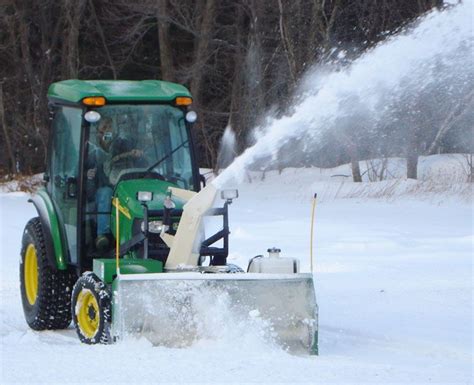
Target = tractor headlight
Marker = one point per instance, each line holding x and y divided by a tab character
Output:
153	226
144	196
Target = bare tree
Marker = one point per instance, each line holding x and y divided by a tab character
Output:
459	109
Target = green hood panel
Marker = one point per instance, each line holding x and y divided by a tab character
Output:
127	191
118	91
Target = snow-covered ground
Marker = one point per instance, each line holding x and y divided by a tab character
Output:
393	280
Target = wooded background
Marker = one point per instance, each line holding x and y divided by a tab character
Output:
239	58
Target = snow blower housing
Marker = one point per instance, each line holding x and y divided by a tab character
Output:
118	245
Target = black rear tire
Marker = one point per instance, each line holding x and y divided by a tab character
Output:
91	309
48	306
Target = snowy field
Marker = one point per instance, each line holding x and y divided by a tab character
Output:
393	281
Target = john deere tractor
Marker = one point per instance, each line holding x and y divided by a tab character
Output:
119	245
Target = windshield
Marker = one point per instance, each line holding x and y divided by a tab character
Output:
136	139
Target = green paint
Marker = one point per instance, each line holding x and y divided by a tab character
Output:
314	349
106	269
56	236
121	91
126	191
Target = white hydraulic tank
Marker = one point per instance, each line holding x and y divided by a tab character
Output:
274	264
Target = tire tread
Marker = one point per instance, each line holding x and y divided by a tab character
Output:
52	309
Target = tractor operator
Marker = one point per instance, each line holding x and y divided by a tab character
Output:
106	159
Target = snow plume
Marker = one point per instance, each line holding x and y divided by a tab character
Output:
373	88
227	150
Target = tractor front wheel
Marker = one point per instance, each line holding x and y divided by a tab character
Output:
45	291
91	313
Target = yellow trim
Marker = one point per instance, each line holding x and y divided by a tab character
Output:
122	209
117	234
87	311
31	274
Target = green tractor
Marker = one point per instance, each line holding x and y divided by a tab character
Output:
119	245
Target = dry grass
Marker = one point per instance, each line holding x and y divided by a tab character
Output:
432	189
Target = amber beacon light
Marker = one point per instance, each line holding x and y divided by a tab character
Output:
183	101
94	101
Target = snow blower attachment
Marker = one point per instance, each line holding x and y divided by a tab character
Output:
190	306
177	308
119	246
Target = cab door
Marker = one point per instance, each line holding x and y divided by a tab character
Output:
64	173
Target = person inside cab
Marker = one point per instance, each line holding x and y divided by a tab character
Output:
108	158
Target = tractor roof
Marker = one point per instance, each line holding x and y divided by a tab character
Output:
119	91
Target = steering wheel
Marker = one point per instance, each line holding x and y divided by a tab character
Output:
132	154
135	173
178	178
114	170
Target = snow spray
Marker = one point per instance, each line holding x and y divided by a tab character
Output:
227	150
436	46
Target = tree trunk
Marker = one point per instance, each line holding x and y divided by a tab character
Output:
201	51
166	54
78	14
412	164
5	132
412	153
329	22
287	46
234	120
202	48
353	150
356	177
73	12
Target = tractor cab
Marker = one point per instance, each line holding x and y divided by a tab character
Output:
136	141
115	139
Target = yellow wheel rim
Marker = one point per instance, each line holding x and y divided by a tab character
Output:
31	274
87	311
